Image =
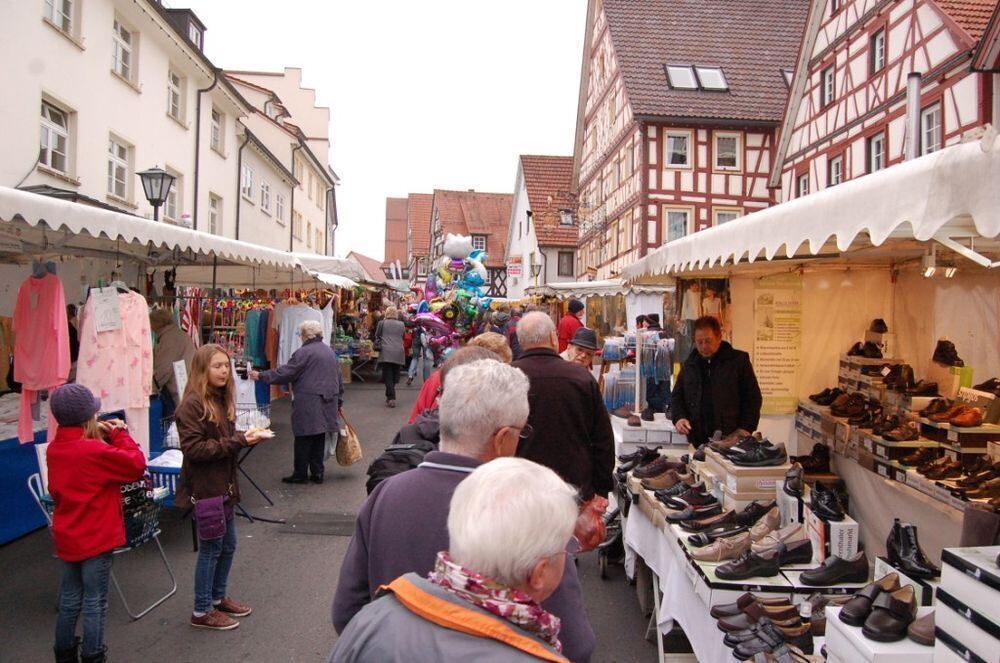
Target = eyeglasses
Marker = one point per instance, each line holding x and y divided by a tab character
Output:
526	431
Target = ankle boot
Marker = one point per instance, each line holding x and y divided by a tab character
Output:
904	553
71	655
99	657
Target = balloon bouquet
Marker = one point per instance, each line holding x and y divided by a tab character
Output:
453	296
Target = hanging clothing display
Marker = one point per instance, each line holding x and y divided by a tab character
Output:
291	318
191	316
117	365
41	344
6	349
327	312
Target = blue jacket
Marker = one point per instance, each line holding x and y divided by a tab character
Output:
318	393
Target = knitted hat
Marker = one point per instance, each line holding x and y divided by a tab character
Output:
575	306
73	404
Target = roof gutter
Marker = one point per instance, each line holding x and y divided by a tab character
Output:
704	121
197	148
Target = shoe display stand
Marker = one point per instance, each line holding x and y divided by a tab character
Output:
656	433
846	644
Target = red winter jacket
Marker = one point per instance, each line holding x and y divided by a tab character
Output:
567	328
85	478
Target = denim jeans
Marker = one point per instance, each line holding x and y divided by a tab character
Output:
657	394
211	573
426	356
84	588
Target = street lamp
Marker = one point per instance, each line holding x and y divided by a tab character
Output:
156	184
536	269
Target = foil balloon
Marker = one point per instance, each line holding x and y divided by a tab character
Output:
423	307
433	323
430	288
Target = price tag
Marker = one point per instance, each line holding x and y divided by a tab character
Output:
900	476
883	471
180	376
953	436
107	313
881	452
885	371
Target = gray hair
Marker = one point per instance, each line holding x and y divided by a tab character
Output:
535	329
310	329
392	313
480	398
508	515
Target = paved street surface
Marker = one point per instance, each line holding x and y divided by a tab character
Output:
289	578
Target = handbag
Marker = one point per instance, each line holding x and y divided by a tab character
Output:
210	515
377	342
348	449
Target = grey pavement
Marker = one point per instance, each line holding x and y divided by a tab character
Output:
289	578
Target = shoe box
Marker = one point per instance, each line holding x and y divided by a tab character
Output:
847	644
712	591
972	578
739	501
745	480
949	650
924	588
792	508
993	449
974	633
831	537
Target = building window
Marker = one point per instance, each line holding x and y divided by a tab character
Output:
565	217
677	224
878	51
876	153
802	185
214	214
121	59
678	155
279	208
930	129
835	6
297	225
835	171
318	242
826	91
175	89
788	75
218	130
681	77
565	267
265	196
479	242
727	152
712	78
172	207
726	215
194	34
53	148
60	12
309	235
118	160
246	182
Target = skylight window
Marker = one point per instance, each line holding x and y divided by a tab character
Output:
711	78
681	77
788	74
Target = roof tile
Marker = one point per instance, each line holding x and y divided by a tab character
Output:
419	221
475	213
971	15
548	180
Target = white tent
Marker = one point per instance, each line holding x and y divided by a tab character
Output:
582	289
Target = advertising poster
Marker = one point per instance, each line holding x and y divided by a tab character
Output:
778	341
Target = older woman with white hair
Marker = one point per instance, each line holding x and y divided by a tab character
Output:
317	400
391	356
510	526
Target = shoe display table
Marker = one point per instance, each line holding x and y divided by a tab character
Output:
846	644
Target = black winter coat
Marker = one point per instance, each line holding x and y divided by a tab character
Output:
736	397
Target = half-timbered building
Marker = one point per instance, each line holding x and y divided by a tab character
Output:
860	63
679	105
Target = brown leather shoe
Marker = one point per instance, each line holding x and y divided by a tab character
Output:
786	615
766	525
922	630
950	470
663	481
953	411
633	421
658	466
233	608
972	416
785	535
730	547
214	621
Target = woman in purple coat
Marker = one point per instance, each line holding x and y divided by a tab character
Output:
317	399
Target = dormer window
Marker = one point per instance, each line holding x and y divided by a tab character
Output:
687	77
565	217
194	34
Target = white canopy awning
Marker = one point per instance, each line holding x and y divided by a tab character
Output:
951	196
594	289
331	267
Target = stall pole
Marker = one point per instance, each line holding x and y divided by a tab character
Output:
215	266
637	407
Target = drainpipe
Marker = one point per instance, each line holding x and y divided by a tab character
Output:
291	222
239	181
197	144
912	115
327	223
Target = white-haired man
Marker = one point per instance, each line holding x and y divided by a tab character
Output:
314	373
509	525
403	524
571	430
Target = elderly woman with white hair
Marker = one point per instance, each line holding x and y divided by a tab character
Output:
317	399
510	526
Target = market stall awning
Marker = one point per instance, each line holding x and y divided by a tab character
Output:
36	225
951	196
609	287
336	269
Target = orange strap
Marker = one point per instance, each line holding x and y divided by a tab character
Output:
455	617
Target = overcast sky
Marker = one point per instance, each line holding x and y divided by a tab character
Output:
437	94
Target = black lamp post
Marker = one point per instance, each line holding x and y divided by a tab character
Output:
156	184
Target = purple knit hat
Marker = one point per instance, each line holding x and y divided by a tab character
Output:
73	404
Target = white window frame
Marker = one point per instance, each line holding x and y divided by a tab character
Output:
172	206
122	50
214	213
175	95
246	182
837	161
194	34
265	196
877	47
688	138
119	169
565	218
802	185
479	242
218	135
717	212
297	225
51	133
60	14
870	152
279	208
688	213
739	151
930	128
828	86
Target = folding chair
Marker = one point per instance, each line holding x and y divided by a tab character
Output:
140	528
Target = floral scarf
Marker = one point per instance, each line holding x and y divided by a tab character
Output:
511	604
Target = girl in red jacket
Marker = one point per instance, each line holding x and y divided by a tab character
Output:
88	461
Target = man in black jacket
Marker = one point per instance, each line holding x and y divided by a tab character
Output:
571	431
717	388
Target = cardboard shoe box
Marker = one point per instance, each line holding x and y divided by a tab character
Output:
745	479
971	576
977	634
847	643
832	538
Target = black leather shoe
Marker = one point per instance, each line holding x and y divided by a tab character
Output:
647	414
793	481
923	388
762	456
871	351
817	462
825	503
904	553
706	537
892	613
678	488
732	609
294	479
945	353
822	394
316	478
798	552
771	638
694	512
878	326
750	565
835	570
856	610
830	397
753	512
